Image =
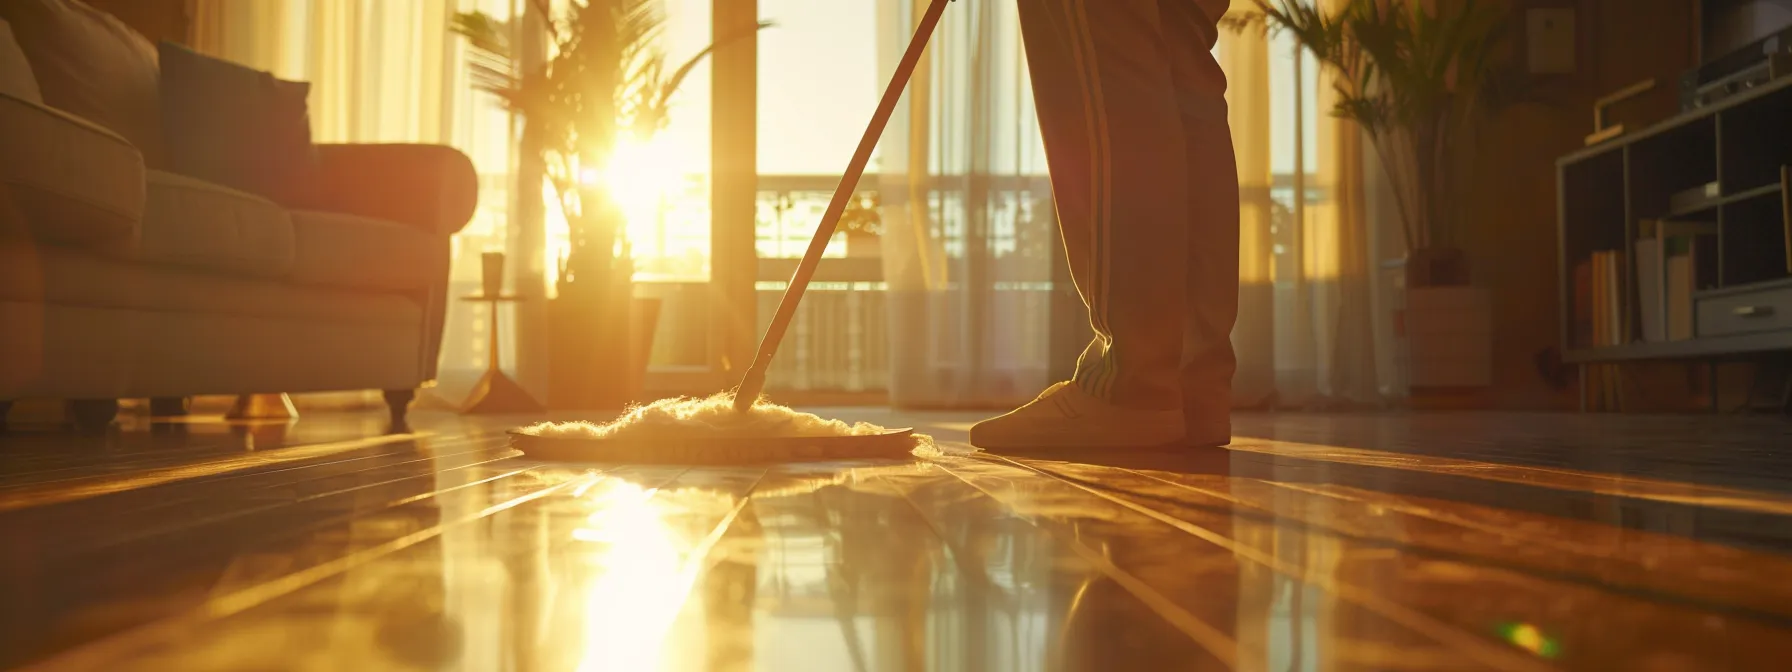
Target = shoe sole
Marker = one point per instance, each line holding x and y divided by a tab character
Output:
1074	447
1167	445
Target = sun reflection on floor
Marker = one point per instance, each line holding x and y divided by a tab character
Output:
640	582
646	549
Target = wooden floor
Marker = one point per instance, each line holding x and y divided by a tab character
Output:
1422	542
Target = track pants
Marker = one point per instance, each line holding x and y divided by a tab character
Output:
1132	107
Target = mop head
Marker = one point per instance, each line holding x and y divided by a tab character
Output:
709	430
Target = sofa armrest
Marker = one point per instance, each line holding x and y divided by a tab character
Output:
432	187
65	179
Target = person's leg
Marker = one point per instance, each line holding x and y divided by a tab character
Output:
1112	127
1212	189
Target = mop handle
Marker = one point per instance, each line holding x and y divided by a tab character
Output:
754	381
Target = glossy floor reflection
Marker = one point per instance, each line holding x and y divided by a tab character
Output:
331	544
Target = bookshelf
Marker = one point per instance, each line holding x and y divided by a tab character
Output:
1688	227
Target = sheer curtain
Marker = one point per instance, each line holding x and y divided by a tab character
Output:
968	223
1245	58
388	71
379	71
1306	334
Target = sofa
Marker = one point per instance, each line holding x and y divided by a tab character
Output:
122	278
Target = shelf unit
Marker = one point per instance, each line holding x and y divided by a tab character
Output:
1742	294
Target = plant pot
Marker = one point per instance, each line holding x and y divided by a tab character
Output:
1449	338
588	348
644	322
598	360
583	369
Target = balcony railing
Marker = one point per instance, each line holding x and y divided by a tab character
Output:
840	338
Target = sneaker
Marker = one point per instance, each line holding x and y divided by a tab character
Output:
1217	436
1065	417
1207	420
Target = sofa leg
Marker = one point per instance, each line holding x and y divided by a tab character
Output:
93	414
399	403
169	407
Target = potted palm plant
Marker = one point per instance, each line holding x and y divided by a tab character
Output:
1416	80
604	83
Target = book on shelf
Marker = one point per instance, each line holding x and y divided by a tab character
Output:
1651	298
1617	327
1583	304
1607	320
1680	278
1597	301
1667	275
1599	309
1601	319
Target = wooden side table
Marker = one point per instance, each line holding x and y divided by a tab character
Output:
496	392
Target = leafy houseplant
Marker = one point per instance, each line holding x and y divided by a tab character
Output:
1415	80
603	82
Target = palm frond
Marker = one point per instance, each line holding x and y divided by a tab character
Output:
670	85
482	32
1412	77
1242	22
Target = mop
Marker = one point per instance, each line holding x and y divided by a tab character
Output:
742	426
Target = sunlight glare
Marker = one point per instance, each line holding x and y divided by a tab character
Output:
640	586
640	176
645	566
643	176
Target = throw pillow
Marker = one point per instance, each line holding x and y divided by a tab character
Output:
16	79
236	126
91	65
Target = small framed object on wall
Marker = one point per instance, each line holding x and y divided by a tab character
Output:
1550	41
1555	42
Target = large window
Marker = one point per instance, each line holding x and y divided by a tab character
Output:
819	76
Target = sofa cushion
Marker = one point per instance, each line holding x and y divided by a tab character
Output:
70	181
91	65
37	274
196	224
234	125
15	72
337	250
